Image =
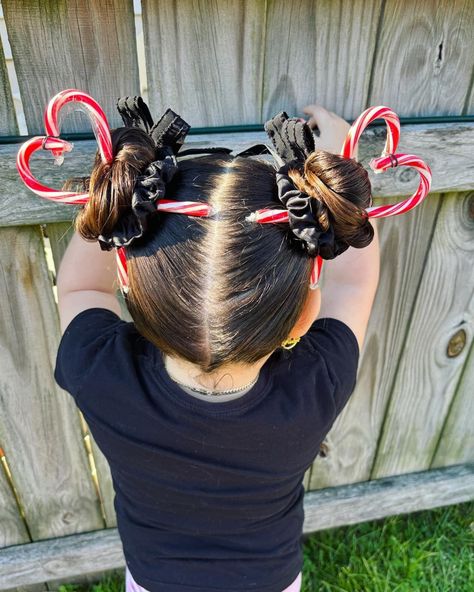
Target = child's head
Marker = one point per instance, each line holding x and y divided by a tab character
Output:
220	290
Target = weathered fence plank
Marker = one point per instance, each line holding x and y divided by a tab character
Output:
311	48
352	441
327	508
39	427
456	444
205	59
59	236
86	45
424	57
469	107
432	361
8	123
13	530
446	148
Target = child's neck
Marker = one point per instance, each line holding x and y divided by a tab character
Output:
232	376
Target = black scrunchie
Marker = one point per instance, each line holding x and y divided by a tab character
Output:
149	188
303	213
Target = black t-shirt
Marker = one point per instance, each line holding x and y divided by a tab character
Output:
208	496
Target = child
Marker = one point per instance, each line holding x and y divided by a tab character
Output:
206	413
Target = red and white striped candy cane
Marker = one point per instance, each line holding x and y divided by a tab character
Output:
359	125
378	165
93	109
58	147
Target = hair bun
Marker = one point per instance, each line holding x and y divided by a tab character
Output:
333	193
149	188
309	218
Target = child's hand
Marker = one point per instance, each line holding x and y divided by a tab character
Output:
333	129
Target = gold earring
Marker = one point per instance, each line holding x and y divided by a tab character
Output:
290	342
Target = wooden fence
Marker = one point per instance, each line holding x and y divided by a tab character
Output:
405	441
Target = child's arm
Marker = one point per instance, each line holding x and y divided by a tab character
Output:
351	279
350	284
86	279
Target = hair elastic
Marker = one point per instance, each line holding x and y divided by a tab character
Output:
51	141
387	160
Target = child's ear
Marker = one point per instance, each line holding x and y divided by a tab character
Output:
309	313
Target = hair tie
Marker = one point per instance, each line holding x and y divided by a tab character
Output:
393	160
293	139
168	135
304	213
149	188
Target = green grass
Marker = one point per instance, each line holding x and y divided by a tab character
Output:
431	551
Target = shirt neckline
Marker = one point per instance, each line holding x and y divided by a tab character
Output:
247	400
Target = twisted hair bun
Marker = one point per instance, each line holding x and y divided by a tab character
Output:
343	191
111	185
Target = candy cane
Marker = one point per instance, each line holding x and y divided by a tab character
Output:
23	165
378	165
93	109
359	125
58	147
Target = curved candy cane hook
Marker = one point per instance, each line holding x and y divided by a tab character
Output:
93	109
359	125
378	165
58	147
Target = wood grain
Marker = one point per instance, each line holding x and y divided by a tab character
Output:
59	236
424	57
329	508
64	557
13	530
319	52
427	375
447	148
39	427
352	441
205	59
8	123
86	45
456	443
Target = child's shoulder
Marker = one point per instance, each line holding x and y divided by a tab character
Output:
95	339
329	346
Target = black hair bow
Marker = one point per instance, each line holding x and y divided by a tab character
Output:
294	142
293	139
168	135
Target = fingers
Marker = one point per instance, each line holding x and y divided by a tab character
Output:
318	115
332	128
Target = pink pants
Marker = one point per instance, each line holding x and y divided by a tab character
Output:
132	586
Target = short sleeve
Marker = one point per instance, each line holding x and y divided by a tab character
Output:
82	341
338	347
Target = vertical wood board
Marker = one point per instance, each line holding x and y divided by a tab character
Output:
425	56
427	376
319	52
8	123
39	427
86	45
456	444
352	441
12	531
205	59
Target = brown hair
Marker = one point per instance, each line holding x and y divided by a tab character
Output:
220	290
